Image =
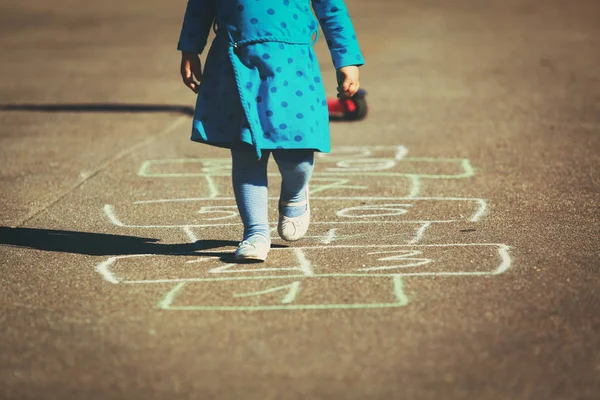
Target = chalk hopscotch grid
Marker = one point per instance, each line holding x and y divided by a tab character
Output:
355	160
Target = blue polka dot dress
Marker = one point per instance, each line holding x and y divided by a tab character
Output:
262	84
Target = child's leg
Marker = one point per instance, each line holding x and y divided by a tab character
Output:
296	167
249	177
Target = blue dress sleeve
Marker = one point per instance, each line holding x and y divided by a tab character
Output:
198	19
338	29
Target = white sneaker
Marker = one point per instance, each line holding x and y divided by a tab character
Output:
294	228
255	248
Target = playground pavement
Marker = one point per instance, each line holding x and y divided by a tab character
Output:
454	251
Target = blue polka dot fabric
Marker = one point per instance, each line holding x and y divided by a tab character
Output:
262	84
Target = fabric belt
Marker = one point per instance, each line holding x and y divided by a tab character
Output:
265	38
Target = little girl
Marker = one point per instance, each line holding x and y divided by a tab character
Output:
261	92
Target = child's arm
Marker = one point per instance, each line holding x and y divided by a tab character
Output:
341	40
199	17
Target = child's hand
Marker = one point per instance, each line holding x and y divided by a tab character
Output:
190	68
348	81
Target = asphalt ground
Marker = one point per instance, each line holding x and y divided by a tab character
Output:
454	250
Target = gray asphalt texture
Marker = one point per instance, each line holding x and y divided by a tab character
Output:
106	295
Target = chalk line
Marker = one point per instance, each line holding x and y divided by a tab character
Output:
415	186
336	183
391	209
504	252
401	152
109	211
331	234
305	265
399	291
103	268
353	275
212	188
420	232
374	198
291	295
190	234
32	214
227	269
200	260
405	255
166	302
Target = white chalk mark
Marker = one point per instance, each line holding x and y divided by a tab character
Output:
398	283
481	212
331	234
215	166
415	186
297	276
341	153
142	172
190	234
469	170
227	269
356	160
330	237
363	165
213	191
405	253
345	152
420	232
304	265
366	198
335	184
200	260
418	262
401	152
401	255
166	302
390	210
503	251
109	211
104	269
290	296
219	210
506	263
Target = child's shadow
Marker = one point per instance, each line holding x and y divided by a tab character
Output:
101	244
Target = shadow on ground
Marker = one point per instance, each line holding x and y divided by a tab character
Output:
101	244
101	107
115	108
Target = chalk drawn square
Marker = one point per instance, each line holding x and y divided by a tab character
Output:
326	234
346	171
286	294
409	260
391	161
207	212
371	161
309	280
314	261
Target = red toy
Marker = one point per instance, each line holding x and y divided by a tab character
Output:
349	109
